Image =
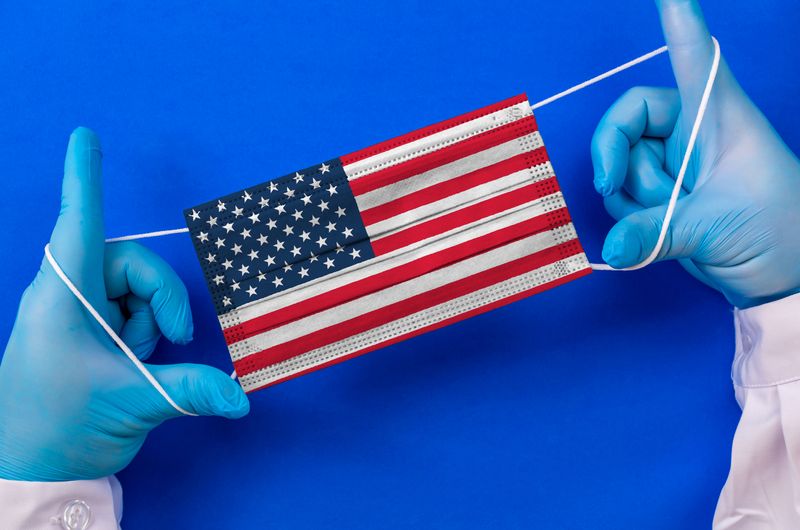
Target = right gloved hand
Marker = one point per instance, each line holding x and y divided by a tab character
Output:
736	225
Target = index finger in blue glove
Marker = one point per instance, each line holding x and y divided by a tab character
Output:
133	269
77	241
641	111
691	50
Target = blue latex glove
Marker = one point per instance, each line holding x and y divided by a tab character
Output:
72	406
735	228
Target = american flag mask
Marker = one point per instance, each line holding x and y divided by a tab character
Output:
362	251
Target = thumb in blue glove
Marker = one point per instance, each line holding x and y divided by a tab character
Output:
72	406
734	226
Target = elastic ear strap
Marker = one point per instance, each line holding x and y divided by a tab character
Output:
676	190
111	333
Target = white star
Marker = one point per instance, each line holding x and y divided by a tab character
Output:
305	236
212	221
314	220
228	264
348	232
220	206
332	190
289	192
226	301
254	218
303	272
322	241
235	286
263	202
288	230
324	168
328	263
339	249
279	245
251	290
313	258
238	211
315	183
272	224
246	196
262	239
280	208
322	206
331	226
203	237
237	249
270	260
244	269
306	199
195	215
211	258
295	251
261	276
273	187
253	254
277	282
228	228
287	267
219	279
297	215
220	242
340	212
298	178
245	233
355	253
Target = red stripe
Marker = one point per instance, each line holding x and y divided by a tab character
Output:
437	325
469	214
402	273
429	130
420	164
450	187
406	307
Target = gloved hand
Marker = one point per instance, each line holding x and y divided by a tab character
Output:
735	227
72	405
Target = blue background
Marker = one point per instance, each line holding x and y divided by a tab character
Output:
605	403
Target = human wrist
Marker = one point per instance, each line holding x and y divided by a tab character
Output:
12	467
767	343
25	462
743	301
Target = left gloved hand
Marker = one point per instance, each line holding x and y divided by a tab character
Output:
72	405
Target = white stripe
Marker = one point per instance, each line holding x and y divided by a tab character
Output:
414	322
438	140
449	171
457	201
404	290
391	260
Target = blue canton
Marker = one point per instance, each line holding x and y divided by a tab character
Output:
277	235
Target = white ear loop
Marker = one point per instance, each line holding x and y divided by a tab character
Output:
596	266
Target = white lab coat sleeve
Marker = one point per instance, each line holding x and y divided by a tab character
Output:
763	486
56	505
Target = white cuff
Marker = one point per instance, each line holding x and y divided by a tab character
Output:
763	486
768	344
73	505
